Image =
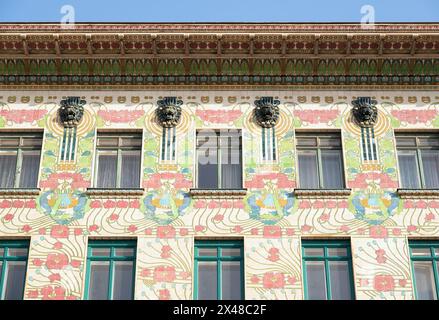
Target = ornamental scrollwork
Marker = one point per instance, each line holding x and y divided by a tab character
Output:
169	111
267	111
365	111
71	111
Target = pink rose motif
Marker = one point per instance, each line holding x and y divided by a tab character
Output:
304	204
421	204
32	294
254	231
18	204
344	228
59	231
414	116
273	280
122	204
402	282
272	232
218	217
164	274
164	294
324	217
120	116
273	254
135	204
226	204
430	216
53	293
364	282
30	204
291	280
218	116
343	204
383	282
109	204
75	180
95	204
148	232
114	217
199	228
317	116
26	228
306	228
412	228
75	263
254	279
54	277
22	115
237	229
380	258
238	204
145	272
77	232
37	262
185	274
396	231
5	204
165	232
93	228
184	232
199	204
56	261
213	205
378	232
57	245
331	204
8	217
290	232
132	228
166	252
433	204
42	231
318	204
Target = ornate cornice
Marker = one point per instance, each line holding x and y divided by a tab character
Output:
12	192
418	193
322	193
218	193
103	192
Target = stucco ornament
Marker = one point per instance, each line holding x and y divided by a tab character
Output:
365	112
71	111
169	111
267	111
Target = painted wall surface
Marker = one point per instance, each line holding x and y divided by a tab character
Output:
270	218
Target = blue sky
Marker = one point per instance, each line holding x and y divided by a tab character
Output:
219	10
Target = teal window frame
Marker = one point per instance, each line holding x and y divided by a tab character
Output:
318	149
112	245
326	258
199	134
119	149
219	245
19	148
417	149
5	257
434	257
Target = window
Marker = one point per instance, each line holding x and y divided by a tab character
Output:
219	270
118	160
425	267
219	159
418	158
110	270
320	161
327	270
368	145
13	262
20	160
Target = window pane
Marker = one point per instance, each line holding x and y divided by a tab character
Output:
8	162
123	280
308	173
436	252
124	252
405	142
408	169
14	278
307	142
107	170
207	252
424	277
207	169
17	252
314	252
132	142
230	252
231	175
207	280
231	280
330	141
99	278
430	163
332	169
419	252
10	142
29	169
108	142
32	142
101	252
1	252
315	280
340	280
432	141
337	252
130	169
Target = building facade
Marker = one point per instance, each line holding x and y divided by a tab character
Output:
219	161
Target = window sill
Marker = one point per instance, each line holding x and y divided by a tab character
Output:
322	193
19	191
218	193
417	193
115	192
